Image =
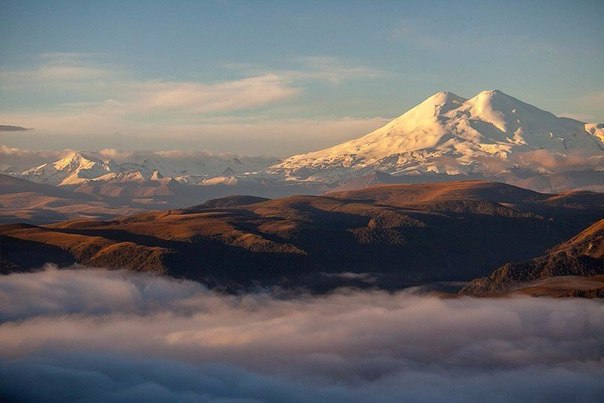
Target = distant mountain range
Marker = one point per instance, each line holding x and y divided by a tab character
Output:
25	201
38	203
77	168
491	136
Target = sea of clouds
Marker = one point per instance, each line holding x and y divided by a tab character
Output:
97	335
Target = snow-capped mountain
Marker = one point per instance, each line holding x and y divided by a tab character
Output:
491	135
77	168
448	134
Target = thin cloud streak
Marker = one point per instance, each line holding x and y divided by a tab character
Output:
123	96
9	128
330	69
189	97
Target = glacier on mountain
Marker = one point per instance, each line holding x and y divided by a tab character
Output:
448	134
77	168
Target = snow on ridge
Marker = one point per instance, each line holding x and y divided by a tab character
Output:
448	134
444	134
77	168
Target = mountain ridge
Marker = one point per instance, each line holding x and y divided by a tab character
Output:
397	235
448	134
25	201
490	136
80	167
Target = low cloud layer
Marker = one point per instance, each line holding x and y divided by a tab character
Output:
20	159
97	335
555	162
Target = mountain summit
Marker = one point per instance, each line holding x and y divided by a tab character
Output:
73	169
448	134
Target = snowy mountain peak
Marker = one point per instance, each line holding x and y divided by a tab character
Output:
74	168
493	93
448	134
493	100
502	111
156	176
430	109
75	160
440	103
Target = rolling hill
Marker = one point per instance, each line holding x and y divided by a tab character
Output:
26	201
384	236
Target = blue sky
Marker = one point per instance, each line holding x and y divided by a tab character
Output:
278	77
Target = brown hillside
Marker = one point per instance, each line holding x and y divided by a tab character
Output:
399	235
581	256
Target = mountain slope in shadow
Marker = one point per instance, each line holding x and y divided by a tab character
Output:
572	268
384	236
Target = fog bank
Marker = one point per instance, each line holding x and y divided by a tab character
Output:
97	335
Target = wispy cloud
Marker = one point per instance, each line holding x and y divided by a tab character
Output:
76	74
83	96
419	33
118	90
56	69
415	33
192	97
333	70
20	159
